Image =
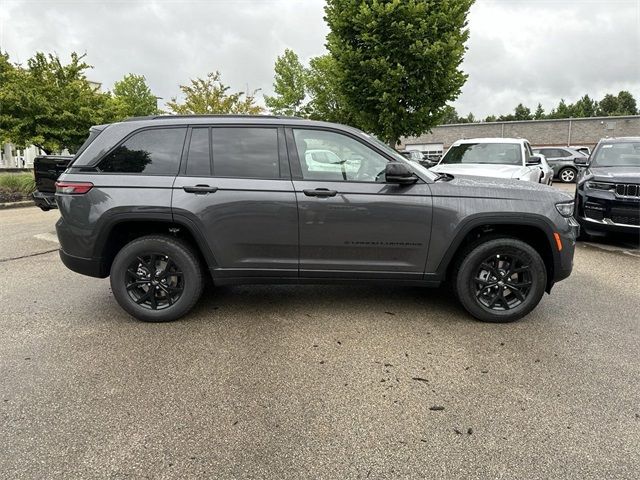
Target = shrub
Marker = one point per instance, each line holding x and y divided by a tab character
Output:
19	183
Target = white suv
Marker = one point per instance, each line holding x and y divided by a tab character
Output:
495	157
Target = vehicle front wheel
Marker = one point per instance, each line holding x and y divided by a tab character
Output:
500	280
567	175
156	278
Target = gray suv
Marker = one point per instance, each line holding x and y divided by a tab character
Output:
158	203
561	160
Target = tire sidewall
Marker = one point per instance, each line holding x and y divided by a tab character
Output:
465	288
184	260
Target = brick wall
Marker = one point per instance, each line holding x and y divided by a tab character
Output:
578	131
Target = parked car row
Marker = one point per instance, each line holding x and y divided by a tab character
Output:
608	179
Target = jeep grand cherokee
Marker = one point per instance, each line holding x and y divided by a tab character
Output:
156	203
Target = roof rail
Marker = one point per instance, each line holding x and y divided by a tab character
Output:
171	117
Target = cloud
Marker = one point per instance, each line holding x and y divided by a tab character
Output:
541	51
526	51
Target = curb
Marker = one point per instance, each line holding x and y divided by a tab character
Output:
23	203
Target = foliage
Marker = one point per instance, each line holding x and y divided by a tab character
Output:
626	104
289	85
397	61
326	101
49	104
15	186
132	97
522	113
210	96
611	105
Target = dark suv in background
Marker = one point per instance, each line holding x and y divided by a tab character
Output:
157	203
561	160
608	190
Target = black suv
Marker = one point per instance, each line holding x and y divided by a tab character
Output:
158	203
608	190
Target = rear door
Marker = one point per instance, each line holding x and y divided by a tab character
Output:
235	188
352	224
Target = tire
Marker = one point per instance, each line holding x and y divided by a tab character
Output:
567	175
475	285
177	279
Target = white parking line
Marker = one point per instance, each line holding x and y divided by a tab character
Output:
47	237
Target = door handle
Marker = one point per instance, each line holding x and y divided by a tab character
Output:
200	189
320	192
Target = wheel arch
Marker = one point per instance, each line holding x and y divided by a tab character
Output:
535	230
120	229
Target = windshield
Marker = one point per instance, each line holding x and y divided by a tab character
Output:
485	153
623	154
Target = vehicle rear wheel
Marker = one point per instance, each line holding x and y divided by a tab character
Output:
500	280
567	175
156	278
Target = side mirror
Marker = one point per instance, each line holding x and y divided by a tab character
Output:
534	160
581	162
396	172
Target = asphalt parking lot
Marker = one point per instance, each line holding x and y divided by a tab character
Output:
314	381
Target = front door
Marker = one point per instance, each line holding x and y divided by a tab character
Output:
352	223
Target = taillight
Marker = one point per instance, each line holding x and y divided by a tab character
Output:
73	188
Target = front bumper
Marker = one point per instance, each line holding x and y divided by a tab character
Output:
603	212
564	263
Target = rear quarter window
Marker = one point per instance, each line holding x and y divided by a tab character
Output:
152	152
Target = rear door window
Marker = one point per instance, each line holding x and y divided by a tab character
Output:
245	152
152	152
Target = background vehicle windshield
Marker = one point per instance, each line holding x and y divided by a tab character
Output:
489	153
624	154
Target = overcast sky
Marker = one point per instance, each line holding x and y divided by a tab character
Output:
526	51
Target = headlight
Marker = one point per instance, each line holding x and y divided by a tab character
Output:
601	186
565	209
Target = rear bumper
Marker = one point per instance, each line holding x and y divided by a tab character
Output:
92	267
46	201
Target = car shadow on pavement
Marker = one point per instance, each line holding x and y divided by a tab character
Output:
375	301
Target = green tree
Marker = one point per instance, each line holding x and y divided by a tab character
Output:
608	106
210	96
539	113
626	104
326	101
562	110
289	85
7	72
398	61
585	107
449	115
522	113
491	118
132	97
49	104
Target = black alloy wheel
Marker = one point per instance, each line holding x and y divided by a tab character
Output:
503	282
154	281
157	278
499	279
